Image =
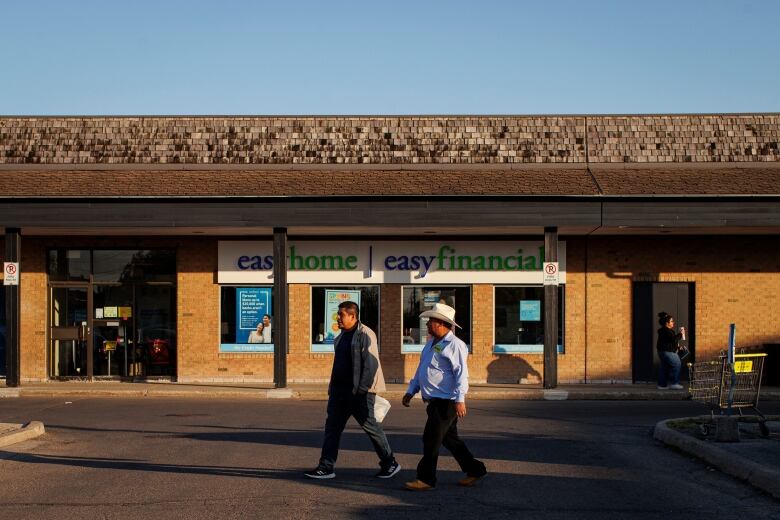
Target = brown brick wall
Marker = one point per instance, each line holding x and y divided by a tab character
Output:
571	364
199	323
34	297
394	364
303	365
482	364
737	281
389	140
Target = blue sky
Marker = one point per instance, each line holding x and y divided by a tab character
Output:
402	57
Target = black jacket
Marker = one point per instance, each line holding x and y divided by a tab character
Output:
667	340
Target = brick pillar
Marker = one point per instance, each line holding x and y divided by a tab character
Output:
481	332
390	332
33	346
197	302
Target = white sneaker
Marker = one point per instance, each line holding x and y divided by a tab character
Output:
662	387
677	387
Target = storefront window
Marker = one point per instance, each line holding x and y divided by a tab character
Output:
324	306
519	315
151	265
247	319
69	265
419	299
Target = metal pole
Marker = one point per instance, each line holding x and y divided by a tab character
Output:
730	360
13	247
550	313
281	308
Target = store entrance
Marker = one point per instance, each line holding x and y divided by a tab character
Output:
69	332
112	330
112	313
649	299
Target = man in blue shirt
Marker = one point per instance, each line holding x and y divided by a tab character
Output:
442	377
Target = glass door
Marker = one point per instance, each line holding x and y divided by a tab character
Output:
69	332
112	337
155	352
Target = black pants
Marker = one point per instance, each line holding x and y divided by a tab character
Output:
441	428
342	406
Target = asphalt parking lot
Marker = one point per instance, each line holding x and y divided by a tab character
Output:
191	458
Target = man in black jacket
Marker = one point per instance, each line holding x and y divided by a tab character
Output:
354	381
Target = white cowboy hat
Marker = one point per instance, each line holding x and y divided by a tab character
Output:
441	312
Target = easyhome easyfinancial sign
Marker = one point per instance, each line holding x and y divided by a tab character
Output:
251	262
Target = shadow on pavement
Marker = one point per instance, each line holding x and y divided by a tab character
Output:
504	446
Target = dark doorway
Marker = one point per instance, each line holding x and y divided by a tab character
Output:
649	299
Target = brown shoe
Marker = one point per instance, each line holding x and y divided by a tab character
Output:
417	485
471	481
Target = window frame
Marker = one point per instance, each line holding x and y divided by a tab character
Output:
261	348
416	348
509	349
321	348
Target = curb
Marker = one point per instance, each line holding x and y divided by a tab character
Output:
305	393
759	476
9	392
28	431
320	395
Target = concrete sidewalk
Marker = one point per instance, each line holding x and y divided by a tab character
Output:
755	458
642	392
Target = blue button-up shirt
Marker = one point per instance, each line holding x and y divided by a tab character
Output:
442	372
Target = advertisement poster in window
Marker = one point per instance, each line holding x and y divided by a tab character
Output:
430	297
251	304
530	310
332	300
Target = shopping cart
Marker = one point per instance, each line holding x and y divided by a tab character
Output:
714	384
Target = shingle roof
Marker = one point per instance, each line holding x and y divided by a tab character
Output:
550	181
681	180
392	140
189	183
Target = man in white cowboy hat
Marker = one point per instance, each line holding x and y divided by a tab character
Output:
442	377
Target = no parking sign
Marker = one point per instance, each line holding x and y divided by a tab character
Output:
11	272
551	273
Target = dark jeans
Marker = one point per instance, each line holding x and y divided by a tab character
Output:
441	428
342	406
669	370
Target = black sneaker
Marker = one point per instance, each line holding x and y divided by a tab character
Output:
320	473
390	471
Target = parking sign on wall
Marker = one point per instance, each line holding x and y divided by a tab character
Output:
11	270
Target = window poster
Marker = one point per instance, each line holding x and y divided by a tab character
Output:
530	310
251	304
332	300
431	297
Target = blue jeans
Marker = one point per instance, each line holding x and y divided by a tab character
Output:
669	370
342	406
